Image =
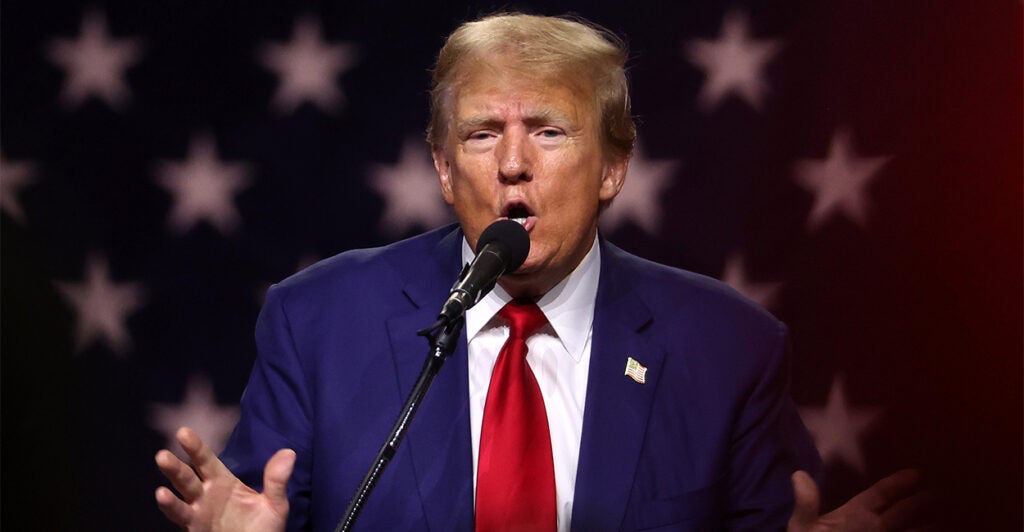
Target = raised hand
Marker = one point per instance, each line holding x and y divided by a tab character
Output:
892	503
213	499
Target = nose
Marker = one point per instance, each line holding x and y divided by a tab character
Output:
514	157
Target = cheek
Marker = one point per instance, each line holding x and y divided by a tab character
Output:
579	198
473	178
471	193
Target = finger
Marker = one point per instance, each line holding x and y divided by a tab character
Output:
807	501
202	457
889	490
907	512
174	508
180	474
275	478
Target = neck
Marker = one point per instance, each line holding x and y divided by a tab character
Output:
527	288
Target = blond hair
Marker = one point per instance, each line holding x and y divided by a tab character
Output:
573	51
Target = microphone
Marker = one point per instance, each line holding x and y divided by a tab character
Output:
502	248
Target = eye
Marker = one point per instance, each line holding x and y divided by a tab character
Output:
550	133
480	135
479	140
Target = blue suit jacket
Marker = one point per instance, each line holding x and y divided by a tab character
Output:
707	443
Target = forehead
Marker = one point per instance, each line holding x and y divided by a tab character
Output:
505	87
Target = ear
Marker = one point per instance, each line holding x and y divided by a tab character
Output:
444	173
613	179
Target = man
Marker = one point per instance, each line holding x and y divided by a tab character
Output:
530	121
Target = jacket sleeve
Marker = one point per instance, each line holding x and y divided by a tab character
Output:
769	443
276	411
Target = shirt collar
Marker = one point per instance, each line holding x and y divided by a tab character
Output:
569	306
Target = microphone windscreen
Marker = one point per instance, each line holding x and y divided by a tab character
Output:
512	237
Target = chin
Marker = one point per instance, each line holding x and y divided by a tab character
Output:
525	270
532	264
524	273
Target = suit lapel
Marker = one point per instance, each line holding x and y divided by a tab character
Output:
438	441
617	408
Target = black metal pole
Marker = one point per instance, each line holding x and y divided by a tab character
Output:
443	338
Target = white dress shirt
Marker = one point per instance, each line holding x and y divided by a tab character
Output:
559	355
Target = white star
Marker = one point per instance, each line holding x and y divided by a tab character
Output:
837	428
95	63
412	196
838	182
203	187
14	175
308	68
734	63
198	411
102	306
639	198
735	275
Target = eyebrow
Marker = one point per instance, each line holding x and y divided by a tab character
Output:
545	116
477	121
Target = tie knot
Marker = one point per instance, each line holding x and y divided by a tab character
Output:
523	319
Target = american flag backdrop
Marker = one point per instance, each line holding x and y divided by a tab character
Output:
855	166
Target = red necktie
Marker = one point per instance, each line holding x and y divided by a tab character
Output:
515	487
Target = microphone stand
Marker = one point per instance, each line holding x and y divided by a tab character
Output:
443	336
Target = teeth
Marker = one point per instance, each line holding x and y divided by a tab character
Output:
520	221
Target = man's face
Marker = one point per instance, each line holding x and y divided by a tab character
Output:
530	150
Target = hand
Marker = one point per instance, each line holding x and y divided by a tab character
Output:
213	498
890	504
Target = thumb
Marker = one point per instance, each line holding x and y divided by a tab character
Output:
808	502
275	478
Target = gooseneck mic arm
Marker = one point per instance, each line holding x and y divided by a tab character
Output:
502	248
442	343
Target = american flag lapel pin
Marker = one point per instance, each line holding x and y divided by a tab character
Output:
636	370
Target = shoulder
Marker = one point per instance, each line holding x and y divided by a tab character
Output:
356	272
677	294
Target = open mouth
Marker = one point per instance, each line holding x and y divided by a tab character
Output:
521	214
518	214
